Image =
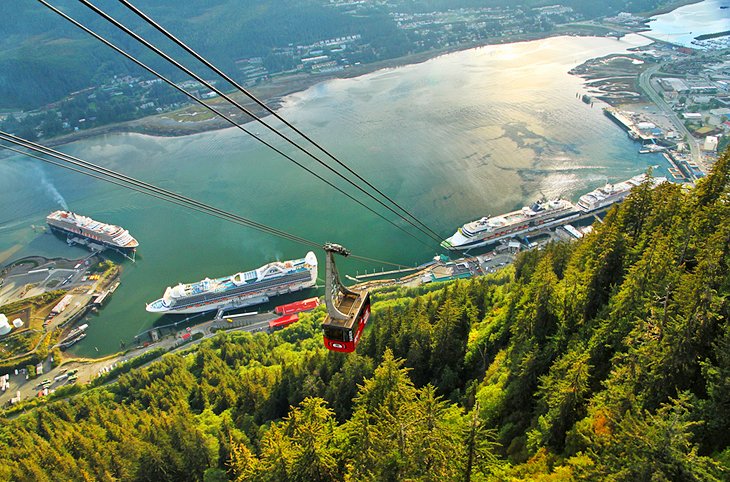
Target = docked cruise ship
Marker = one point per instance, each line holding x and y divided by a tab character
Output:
239	290
613	193
85	230
490	229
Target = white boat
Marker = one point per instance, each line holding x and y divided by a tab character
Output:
613	193
239	290
487	230
74	225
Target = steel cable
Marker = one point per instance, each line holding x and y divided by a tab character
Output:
271	111
128	182
226	118
223	95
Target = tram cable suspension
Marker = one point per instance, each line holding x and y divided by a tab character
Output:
166	194
268	109
227	119
122	180
137	189
253	116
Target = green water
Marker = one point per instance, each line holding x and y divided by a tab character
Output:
467	134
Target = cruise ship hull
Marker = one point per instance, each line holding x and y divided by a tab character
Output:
232	302
86	241
597	207
482	232
239	290
459	242
611	194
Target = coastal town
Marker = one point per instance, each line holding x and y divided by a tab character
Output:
365	240
688	86
127	97
668	98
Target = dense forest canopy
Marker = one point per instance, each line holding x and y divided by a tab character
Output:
37	45
606	359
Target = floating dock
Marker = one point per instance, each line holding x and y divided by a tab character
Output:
386	273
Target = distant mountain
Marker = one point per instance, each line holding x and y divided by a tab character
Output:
43	58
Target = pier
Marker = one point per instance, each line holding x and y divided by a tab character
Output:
360	277
220	314
98	248
628	124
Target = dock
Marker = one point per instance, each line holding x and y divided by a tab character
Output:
633	127
361	277
102	297
97	248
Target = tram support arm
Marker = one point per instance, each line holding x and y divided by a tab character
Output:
334	289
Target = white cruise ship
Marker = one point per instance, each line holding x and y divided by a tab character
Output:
613	193
239	290
88	231
490	229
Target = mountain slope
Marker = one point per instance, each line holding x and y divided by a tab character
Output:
607	359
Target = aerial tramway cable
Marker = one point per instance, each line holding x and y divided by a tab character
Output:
131	183
268	109
208	85
226	118
150	188
102	178
128	182
114	181
348	310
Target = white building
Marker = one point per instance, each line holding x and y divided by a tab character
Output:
676	85
710	144
4	325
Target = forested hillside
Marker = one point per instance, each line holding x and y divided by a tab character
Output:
607	359
37	45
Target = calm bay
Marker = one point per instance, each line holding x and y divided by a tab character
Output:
471	133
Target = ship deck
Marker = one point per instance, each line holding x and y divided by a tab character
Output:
209	297
514	218
224	284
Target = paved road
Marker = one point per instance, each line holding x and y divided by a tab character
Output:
645	84
89	370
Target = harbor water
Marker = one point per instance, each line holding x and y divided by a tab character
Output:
684	24
471	133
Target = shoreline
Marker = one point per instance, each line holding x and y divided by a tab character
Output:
287	85
670	8
272	92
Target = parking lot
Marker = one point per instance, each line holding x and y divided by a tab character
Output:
493	262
